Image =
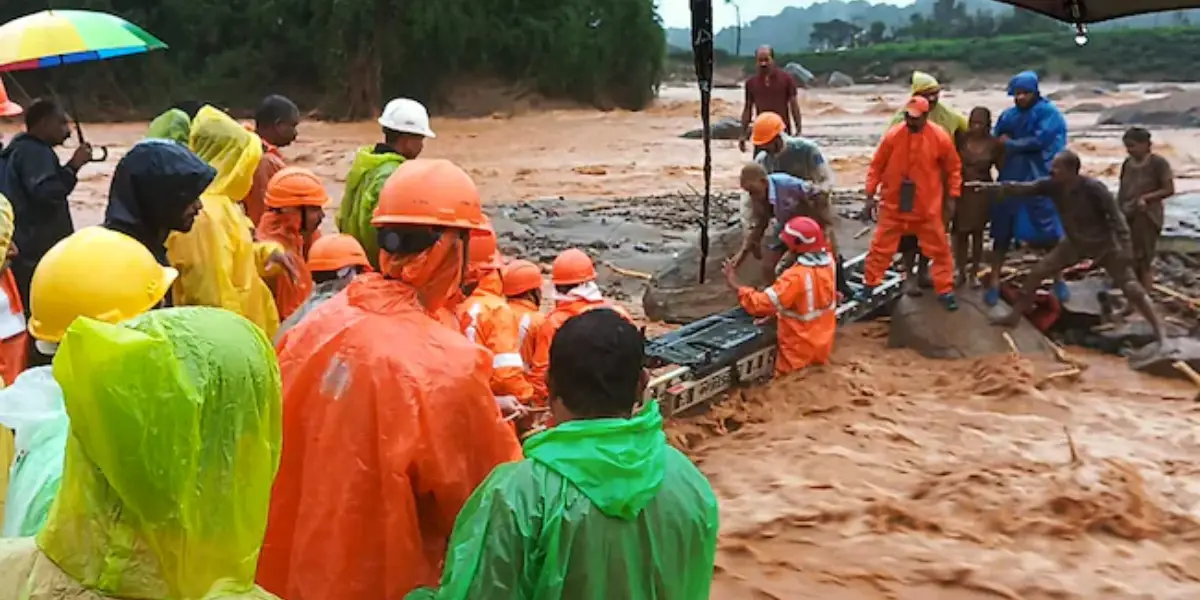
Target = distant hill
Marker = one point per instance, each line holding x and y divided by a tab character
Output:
788	32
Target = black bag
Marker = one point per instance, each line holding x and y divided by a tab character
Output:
908	195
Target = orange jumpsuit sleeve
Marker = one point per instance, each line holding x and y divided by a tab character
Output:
541	359
778	296
499	331
879	162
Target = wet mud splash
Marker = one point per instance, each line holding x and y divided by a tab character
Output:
890	476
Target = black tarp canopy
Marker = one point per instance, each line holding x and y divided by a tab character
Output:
1095	11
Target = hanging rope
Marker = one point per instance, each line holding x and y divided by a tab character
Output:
702	51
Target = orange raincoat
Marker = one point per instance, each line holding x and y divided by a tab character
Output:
563	310
389	424
929	159
804	300
487	320
529	321
284	229
272	162
13	349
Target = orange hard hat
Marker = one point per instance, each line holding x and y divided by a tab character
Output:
521	276
335	252
766	128
294	187
572	267
8	108
483	250
803	235
429	191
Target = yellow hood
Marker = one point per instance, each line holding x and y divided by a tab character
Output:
923	82
232	150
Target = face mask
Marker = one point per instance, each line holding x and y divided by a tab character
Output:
436	273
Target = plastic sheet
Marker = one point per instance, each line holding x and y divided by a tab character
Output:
175	439
33	409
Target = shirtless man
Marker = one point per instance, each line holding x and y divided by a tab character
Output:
1095	228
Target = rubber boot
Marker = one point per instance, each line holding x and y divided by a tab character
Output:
948	301
1061	291
992	296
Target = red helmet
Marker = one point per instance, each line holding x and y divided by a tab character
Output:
802	235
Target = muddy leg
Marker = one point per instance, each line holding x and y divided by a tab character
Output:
959	241
908	260
1137	296
976	256
1049	265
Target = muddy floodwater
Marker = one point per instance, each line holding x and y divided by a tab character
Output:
883	475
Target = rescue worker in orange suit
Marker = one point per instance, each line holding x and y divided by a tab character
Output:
523	287
575	292
487	319
803	298
913	165
295	202
389	422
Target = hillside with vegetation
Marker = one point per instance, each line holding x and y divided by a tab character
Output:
838	23
1122	55
346	56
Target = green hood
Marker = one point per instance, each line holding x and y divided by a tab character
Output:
617	463
366	178
172	125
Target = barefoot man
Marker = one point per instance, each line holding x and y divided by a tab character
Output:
1095	229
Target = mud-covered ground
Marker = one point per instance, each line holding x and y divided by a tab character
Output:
883	475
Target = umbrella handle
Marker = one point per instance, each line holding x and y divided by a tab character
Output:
99	154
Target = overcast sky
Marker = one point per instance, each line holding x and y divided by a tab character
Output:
676	13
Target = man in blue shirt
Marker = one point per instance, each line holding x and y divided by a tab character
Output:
777	198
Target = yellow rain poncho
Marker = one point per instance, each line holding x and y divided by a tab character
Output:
175	439
219	263
954	122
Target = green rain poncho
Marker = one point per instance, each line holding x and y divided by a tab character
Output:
175	439
172	125
600	509
367	176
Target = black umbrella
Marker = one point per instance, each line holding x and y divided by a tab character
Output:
1079	12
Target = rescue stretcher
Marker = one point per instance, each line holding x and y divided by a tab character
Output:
698	363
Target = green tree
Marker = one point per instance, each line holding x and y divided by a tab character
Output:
829	35
348	56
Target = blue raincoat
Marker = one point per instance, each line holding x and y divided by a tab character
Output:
1036	134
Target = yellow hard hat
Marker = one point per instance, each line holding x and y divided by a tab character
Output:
96	273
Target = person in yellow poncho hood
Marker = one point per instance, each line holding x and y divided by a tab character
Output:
218	261
955	124
175	420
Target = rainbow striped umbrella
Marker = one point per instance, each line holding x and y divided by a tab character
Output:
61	37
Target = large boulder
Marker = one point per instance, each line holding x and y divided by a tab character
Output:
1080	91
803	77
1175	110
1087	107
1160	360
675	294
727	128
838	79
922	324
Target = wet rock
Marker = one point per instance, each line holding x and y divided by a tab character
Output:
1087	107
922	324
1176	110
838	79
1181	227
803	77
725	129
674	294
1159	361
1081	91
1164	89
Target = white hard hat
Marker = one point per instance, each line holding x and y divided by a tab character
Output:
406	116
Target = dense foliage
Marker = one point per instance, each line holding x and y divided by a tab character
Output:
348	56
